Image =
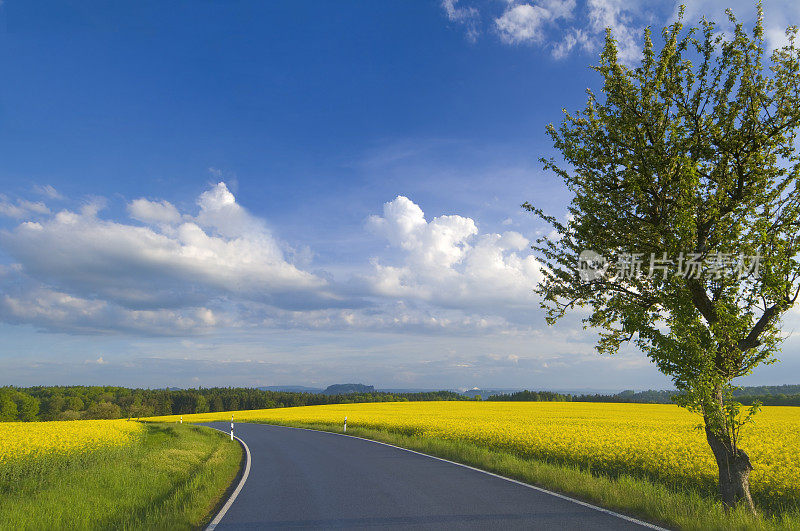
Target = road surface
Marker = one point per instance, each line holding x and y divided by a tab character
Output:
316	480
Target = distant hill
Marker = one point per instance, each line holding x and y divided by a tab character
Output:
346	389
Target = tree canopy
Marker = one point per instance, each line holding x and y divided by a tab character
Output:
682	233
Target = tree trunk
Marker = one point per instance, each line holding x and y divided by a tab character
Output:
734	471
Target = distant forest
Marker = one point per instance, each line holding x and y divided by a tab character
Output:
777	395
80	402
642	397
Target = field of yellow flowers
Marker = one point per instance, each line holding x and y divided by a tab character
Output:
111	474
21	440
658	441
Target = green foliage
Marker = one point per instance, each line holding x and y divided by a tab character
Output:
105	402
8	408
692	151
531	396
16	405
691	154
103	410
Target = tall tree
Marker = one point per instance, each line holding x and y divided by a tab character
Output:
684	176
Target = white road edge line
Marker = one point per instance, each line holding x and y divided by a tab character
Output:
215	522
534	487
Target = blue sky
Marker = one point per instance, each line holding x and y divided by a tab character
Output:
253	193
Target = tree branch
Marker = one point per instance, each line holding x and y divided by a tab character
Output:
752	341
701	300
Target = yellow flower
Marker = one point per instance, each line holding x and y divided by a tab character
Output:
28	439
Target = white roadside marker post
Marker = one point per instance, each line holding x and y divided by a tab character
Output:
181	419
231	427
345	424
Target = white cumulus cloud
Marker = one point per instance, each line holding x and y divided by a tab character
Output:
154	212
446	261
177	261
525	22
167	271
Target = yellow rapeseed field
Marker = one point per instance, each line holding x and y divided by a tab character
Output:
33	439
660	441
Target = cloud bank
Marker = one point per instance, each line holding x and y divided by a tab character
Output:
164	271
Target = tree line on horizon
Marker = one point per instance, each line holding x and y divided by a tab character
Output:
107	402
779	395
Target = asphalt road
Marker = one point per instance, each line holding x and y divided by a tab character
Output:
315	480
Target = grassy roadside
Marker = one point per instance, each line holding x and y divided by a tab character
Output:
657	503
170	478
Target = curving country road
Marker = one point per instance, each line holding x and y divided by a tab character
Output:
316	480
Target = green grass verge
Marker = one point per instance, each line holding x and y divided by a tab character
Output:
642	498
171	478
